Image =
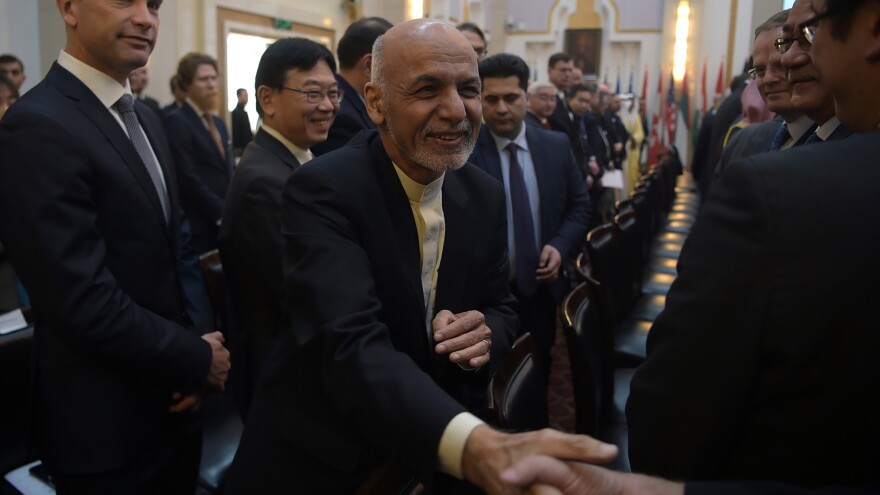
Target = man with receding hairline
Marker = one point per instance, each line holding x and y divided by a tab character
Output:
396	281
91	219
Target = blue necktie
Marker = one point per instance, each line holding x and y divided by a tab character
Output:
523	227
782	135
814	138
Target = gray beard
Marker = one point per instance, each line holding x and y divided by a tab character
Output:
438	162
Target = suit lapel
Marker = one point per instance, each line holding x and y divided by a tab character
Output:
277	148
354	100
400	214
489	154
203	134
165	164
95	111
456	247
540	158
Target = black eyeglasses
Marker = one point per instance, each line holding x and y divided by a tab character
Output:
315	96
806	33
810	27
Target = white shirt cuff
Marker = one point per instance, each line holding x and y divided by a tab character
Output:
452	442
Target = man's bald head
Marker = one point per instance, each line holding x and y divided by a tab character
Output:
424	97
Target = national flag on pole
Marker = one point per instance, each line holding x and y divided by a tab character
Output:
654	142
632	72
671	112
644	93
685	100
719	86
704	94
617	85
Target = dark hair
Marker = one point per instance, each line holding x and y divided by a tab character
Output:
174	83
579	88
778	20
287	54
556	58
4	81
505	65
189	64
239	91
842	14
473	28
8	57
358	40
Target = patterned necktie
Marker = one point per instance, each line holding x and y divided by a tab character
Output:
523	227
125	107
215	134
782	135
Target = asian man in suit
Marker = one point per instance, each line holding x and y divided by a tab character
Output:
92	221
762	368
201	147
396	282
546	225
250	234
355	58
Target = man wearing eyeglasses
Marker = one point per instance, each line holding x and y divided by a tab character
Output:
298	98
763	364
808	92
791	127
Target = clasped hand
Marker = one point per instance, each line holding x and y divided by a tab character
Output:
464	336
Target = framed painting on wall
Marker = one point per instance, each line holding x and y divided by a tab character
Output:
585	48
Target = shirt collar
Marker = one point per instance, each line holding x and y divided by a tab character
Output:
520	140
196	109
825	130
418	193
107	89
302	155
799	126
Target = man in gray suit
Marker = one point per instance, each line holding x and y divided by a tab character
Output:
791	127
297	98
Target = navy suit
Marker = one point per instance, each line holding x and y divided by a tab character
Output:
354	377
565	213
84	226
203	173
351	119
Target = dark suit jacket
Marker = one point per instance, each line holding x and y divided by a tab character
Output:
250	247
351	119
561	122
750	141
616	130
241	129
202	172
83	224
355	377
533	120
764	360
565	206
153	105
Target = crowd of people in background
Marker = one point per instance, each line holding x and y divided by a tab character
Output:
400	214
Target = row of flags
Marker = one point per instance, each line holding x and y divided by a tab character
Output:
664	118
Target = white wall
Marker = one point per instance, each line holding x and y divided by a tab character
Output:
19	36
